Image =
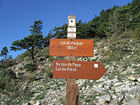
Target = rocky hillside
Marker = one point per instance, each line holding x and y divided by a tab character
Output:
120	55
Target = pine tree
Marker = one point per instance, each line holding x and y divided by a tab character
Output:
4	52
35	40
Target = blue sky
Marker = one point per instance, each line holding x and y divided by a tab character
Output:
17	15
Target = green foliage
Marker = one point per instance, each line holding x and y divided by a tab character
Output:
35	40
48	87
4	52
46	40
5	63
36	28
7	80
39	97
120	103
44	52
30	67
23	55
8	73
137	32
60	32
110	22
28	43
63	101
49	71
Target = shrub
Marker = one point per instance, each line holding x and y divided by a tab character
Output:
7	80
8	73
39	97
43	52
30	67
1	66
23	55
5	63
137	32
49	71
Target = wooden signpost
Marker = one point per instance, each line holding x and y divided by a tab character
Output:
78	69
70	68
72	92
71	47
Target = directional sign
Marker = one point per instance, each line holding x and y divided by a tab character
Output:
78	69
71	35
71	30
71	47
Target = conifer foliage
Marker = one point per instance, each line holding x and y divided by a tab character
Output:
35	40
4	52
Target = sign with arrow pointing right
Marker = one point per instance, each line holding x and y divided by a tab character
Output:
78	69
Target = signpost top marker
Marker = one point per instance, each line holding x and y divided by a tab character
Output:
71	31
72	21
72	17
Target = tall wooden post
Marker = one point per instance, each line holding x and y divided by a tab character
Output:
71	88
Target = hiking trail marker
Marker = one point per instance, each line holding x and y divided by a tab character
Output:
70	68
71	47
78	69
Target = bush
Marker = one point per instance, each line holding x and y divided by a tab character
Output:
39	97
43	52
23	55
30	67
7	80
8	73
49	71
1	66
5	63
137	32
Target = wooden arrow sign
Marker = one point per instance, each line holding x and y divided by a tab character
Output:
78	69
71	47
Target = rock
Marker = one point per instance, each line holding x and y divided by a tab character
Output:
133	84
138	79
98	89
38	77
26	104
32	102
132	78
104	99
122	88
94	59
118	84
108	98
19	74
24	86
101	80
134	101
41	58
80	82
114	97
121	98
37	103
107	87
101	85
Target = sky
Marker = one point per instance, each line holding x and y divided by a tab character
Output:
16	16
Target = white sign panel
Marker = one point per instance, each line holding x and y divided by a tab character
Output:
71	35
71	29
71	22
95	65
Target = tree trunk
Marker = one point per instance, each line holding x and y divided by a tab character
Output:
5	56
32	54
